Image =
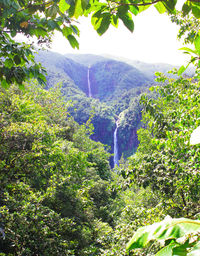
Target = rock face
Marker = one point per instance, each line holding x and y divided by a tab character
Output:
114	89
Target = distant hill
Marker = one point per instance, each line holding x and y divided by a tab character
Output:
110	79
148	69
86	59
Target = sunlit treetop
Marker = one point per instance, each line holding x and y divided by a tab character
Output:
41	18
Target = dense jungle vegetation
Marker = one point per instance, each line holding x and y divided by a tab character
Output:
59	195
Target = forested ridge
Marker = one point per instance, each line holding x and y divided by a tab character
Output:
59	194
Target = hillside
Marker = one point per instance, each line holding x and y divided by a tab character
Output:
106	89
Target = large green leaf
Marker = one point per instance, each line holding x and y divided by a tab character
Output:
78	8
128	22
167	229
84	4
134	9
196	11
170	5
160	7
105	23
188	50
186	9
181	70
64	6
52	11
114	20
67	31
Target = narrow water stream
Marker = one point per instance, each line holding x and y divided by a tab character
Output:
116	154
89	85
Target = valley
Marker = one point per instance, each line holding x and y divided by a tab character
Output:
106	89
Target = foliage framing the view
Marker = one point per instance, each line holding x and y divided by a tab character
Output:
40	19
181	237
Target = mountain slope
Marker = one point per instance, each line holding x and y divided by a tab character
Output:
115	88
109	79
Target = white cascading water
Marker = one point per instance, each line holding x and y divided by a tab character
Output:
89	86
116	155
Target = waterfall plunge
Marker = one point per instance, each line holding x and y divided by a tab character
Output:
116	155
89	86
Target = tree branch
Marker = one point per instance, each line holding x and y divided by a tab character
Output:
139	4
36	5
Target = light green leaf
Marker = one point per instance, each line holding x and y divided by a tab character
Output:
78	9
188	50
160	7
63	6
143	8
133	9
181	70
197	44
96	22
8	63
67	31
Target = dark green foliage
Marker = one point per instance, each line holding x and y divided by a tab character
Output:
165	160
53	177
37	18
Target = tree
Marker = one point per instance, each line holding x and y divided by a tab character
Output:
56	186
168	164
40	19
180	236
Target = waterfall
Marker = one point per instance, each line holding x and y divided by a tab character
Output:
116	155
89	87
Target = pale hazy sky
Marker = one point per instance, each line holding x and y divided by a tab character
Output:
154	40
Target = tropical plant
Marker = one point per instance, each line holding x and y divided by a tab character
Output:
179	236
